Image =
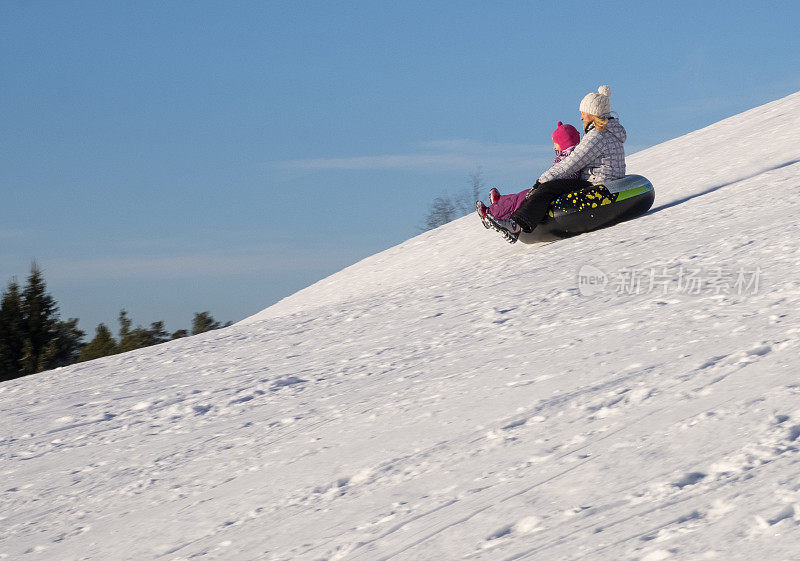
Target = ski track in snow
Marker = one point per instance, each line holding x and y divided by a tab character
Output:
424	404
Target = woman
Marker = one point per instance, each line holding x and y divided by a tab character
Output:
599	157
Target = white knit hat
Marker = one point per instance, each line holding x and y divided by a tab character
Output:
599	103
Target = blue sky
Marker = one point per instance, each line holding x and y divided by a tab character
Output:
175	157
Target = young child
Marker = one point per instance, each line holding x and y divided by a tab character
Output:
565	138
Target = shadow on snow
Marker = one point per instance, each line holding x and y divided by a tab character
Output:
718	187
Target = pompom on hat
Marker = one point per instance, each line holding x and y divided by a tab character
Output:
566	136
597	103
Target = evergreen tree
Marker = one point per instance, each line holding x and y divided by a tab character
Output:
102	345
129	339
157	334
40	314
139	337
65	347
125	324
179	334
12	332
202	322
136	338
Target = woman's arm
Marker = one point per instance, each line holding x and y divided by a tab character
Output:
586	152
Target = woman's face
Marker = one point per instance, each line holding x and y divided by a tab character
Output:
586	117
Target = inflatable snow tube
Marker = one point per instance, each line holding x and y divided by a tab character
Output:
592	208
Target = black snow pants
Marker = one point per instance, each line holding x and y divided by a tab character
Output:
534	207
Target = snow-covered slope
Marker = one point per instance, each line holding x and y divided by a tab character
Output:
457	397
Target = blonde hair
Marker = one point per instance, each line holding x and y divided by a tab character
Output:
599	122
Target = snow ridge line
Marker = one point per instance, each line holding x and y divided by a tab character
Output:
710	190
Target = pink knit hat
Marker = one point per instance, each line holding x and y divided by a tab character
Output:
566	136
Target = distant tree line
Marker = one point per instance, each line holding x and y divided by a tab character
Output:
446	208
33	338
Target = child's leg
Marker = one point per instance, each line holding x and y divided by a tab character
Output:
507	204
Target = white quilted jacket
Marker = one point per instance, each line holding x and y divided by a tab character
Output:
599	157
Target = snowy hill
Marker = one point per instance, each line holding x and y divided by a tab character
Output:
456	397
